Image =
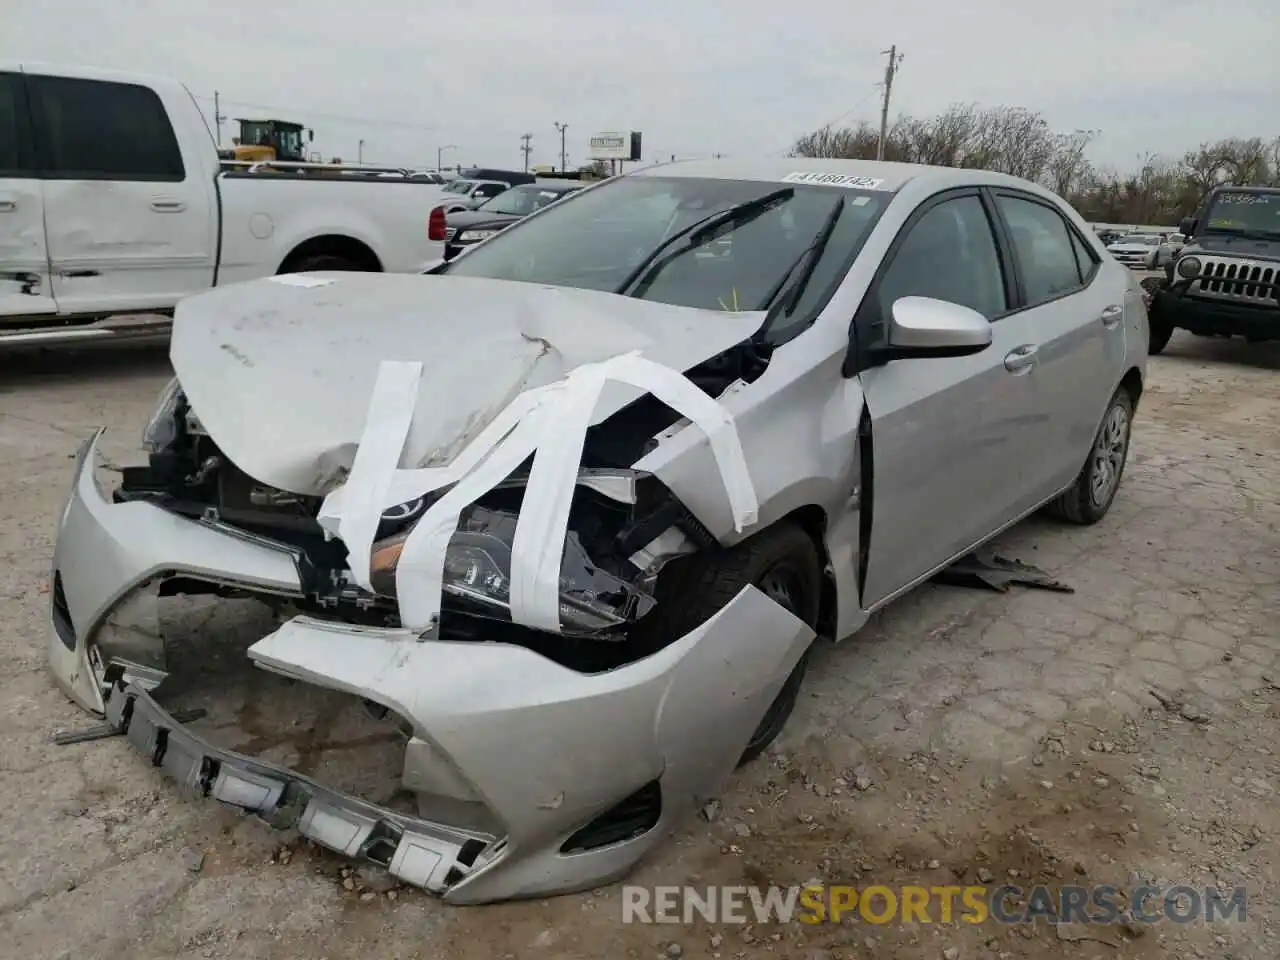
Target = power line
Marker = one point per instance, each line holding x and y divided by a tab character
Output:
343	117
873	89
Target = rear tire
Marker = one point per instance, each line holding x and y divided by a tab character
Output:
783	562
322	261
1089	498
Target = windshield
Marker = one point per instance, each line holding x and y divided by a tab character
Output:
291	143
599	240
1251	212
522	201
459	186
1144	239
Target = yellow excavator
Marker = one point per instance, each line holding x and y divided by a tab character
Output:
262	141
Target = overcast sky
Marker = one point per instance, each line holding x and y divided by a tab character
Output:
696	76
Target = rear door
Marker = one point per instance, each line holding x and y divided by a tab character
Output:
1072	310
24	258
129	226
947	433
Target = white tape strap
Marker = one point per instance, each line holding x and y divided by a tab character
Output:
420	570
543	524
549	423
391	406
683	396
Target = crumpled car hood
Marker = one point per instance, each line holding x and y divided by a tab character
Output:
279	371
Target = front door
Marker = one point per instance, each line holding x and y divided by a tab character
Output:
129	226
25	289
948	433
1074	310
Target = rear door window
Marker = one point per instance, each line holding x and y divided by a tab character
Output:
100	130
13	160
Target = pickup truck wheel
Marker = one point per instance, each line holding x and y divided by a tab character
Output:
323	261
1089	498
782	562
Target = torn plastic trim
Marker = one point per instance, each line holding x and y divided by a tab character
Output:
548	423
546	748
421	853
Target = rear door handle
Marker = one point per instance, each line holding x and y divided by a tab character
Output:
1112	315
168	206
8	206
1020	358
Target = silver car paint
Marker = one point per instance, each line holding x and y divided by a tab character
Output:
952	441
239	351
679	716
105	551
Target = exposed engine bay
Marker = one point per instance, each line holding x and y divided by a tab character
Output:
624	528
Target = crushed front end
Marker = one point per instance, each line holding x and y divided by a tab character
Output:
539	762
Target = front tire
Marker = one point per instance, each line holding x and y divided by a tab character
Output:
783	563
1089	498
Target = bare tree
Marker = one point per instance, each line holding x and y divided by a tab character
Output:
1020	142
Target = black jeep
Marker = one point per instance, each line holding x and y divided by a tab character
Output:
1226	280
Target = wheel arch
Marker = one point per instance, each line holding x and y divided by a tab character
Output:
333	245
812	519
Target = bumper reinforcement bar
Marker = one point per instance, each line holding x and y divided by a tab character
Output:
420	853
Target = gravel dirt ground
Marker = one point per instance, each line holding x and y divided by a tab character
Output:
1128	732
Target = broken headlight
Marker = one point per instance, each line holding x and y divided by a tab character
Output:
477	572
162	429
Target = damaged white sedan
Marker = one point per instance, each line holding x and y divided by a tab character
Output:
572	509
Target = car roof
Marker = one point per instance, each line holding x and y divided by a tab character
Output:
552	185
892	176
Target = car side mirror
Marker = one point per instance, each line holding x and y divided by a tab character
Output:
924	327
1187	226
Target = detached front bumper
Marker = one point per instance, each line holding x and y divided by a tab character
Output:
574	776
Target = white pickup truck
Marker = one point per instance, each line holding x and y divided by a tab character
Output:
113	202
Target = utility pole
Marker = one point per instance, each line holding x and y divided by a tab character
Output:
440	156
561	128
218	118
526	149
360	152
895	58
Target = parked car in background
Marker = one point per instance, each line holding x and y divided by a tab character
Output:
1225	281
608	493
1142	251
113	201
469	227
466	194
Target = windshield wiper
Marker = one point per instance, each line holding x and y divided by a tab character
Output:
809	258
698	233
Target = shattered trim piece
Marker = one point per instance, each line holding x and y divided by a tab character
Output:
425	854
549	423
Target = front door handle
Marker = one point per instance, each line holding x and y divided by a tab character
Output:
1020	358
8	206
168	206
1112	315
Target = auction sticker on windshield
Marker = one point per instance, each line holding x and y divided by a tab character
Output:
833	180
